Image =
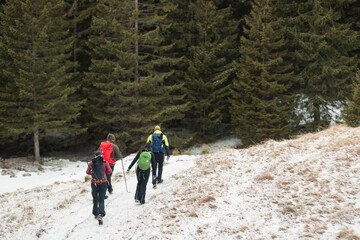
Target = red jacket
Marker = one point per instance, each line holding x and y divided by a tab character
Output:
106	166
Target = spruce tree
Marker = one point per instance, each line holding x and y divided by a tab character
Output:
209	56
261	101
323	43
128	92
351	112
35	35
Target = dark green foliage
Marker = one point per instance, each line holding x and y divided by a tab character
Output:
261	102
128	89
179	64
351	112
36	42
323	63
208	76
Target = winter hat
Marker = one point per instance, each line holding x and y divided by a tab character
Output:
111	137
157	128
98	156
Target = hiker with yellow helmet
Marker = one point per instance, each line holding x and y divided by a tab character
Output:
160	145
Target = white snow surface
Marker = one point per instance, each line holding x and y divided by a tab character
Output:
304	188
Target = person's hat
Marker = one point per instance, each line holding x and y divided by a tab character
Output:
157	128
111	137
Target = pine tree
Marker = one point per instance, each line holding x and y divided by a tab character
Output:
351	112
166	99
35	35
208	77
128	91
261	102
80	13
322	55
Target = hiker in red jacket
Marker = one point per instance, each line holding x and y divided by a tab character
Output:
98	169
111	153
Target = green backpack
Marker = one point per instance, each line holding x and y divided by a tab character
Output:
144	160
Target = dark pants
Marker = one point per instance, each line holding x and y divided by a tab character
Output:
159	161
108	176
98	194
142	177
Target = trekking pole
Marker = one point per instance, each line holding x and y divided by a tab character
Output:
122	163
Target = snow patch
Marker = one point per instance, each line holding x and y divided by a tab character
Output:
304	188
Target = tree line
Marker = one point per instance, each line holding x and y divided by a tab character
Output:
74	70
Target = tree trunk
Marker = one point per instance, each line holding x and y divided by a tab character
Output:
316	115
37	145
136	69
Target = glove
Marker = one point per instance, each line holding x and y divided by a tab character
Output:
167	158
128	169
154	176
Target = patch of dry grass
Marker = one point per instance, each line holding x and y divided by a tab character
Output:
40	232
347	234
207	199
193	214
264	176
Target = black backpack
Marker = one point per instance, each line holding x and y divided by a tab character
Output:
98	175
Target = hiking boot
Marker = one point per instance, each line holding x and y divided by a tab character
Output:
154	186
106	197
99	218
160	181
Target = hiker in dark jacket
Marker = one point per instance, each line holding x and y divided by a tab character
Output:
111	153
159	143
141	173
98	183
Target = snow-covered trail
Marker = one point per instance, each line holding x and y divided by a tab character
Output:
122	213
303	188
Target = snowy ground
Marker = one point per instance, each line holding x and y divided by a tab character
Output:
305	188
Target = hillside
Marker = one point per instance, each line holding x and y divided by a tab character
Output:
304	188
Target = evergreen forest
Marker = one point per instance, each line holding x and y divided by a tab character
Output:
72	71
